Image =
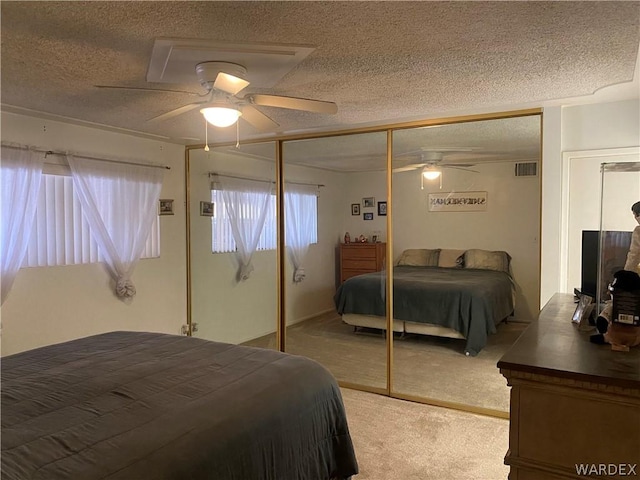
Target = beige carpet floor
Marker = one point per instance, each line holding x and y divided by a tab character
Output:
400	440
424	366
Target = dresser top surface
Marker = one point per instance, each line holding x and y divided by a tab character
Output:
553	345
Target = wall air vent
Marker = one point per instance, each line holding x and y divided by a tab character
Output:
526	169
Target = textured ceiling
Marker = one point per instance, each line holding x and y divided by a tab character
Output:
381	62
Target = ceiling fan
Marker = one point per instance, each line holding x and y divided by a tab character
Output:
432	161
222	106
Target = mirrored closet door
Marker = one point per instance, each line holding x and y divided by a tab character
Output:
465	225
335	207
232	243
464	208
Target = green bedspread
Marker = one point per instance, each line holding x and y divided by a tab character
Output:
469	301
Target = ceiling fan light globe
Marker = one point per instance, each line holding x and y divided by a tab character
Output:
431	174
221	116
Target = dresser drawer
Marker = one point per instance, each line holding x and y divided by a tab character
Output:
359	252
359	258
359	264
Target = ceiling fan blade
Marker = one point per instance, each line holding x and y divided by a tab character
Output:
229	83
408	168
176	112
144	89
293	103
459	168
458	164
258	119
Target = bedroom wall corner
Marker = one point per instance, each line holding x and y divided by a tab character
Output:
54	304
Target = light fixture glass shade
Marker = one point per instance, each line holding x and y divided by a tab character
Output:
221	116
431	174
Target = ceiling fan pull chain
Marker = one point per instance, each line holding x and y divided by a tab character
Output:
206	135
237	134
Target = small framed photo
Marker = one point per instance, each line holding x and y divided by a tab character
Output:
368	215
165	206
583	312
382	208
355	209
206	209
368	202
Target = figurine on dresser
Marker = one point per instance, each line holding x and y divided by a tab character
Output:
619	322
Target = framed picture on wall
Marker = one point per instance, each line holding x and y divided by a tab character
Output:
165	206
368	216
207	209
355	209
368	202
382	208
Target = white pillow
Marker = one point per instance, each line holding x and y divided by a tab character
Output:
419	257
450	258
486	260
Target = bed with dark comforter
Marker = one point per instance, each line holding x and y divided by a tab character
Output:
469	301
136	405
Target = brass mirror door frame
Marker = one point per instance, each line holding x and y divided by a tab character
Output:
281	320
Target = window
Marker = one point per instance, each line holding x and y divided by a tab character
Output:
222	236
60	234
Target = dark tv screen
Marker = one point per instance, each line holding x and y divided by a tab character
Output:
615	247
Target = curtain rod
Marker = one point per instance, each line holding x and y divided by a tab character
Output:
211	174
51	152
139	164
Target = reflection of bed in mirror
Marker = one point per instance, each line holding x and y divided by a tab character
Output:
446	293
127	405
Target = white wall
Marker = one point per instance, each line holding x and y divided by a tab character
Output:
48	305
54	304
365	185
510	222
602	125
582	127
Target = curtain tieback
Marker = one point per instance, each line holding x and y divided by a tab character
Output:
299	275
245	271
125	288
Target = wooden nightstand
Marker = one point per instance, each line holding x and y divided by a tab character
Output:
359	258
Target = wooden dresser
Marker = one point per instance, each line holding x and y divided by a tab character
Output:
575	405
359	258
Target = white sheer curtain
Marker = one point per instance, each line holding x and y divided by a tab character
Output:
246	203
300	219
120	202
20	172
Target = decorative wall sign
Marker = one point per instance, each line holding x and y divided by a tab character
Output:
458	202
